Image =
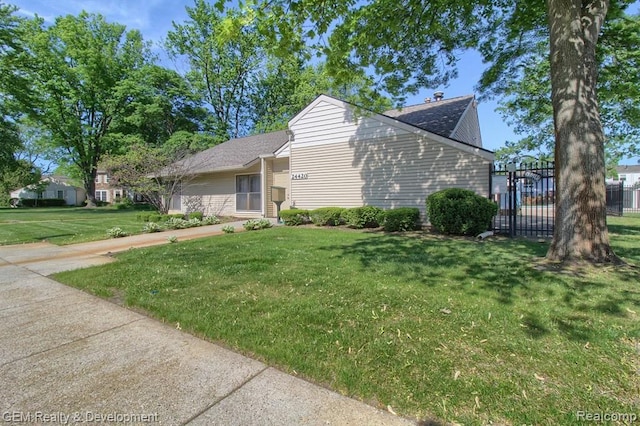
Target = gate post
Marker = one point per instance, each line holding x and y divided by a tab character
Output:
511	187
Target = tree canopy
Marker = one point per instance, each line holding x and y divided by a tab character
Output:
419	44
525	101
78	70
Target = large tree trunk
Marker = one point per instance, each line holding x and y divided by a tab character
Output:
90	187
580	227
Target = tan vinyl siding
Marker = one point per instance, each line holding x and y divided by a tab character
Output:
327	124
386	172
282	177
216	192
266	191
468	130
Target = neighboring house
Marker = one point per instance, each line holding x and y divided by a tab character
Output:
57	187
105	191
628	174
338	154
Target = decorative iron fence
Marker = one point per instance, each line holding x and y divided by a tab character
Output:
525	194
622	198
615	199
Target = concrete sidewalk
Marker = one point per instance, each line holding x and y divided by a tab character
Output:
68	357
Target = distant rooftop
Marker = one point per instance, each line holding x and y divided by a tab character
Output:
628	169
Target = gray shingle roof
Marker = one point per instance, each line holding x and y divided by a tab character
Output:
439	117
237	153
628	169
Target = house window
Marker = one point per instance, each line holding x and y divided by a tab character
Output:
60	194
623	177
97	178
101	196
40	195
106	178
248	193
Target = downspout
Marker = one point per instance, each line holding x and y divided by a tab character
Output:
290	136
263	184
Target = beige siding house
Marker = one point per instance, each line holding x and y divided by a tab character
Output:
337	154
235	177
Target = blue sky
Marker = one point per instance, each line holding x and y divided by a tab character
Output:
154	19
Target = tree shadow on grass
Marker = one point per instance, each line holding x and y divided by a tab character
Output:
509	271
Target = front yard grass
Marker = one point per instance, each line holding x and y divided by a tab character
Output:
65	225
433	327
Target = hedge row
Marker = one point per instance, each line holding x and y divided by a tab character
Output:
454	211
400	219
42	202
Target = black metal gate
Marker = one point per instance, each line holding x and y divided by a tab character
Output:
615	199
525	194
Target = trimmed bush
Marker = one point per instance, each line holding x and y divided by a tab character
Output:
256	224
294	217
142	206
402	219
176	216
460	211
42	202
327	216
363	217
196	215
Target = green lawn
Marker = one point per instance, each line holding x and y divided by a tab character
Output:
436	328
65	225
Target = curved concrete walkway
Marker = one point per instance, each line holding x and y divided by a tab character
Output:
67	357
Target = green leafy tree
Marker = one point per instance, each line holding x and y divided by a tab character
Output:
162	103
224	56
287	86
417	45
9	47
526	104
250	84
78	70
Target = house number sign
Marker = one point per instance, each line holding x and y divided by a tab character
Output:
299	176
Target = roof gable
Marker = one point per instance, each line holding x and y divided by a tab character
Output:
453	108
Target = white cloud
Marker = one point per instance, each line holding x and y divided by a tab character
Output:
152	17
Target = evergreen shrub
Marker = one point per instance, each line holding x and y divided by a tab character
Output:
460	211
402	219
327	216
294	217
363	217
